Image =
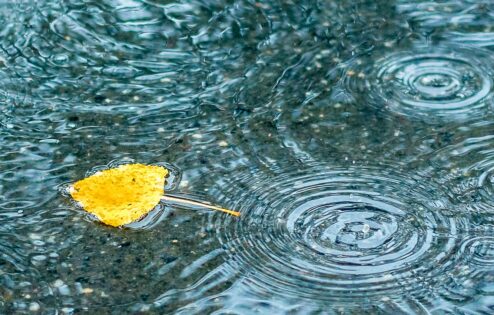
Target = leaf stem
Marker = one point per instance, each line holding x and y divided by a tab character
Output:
199	204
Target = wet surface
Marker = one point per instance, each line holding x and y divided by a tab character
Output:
356	138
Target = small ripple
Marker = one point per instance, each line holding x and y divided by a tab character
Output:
451	83
432	14
473	276
480	252
339	233
12	259
468	168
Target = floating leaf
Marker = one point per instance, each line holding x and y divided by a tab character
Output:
122	195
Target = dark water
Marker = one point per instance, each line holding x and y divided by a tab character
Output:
356	138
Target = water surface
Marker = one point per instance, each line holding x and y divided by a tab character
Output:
356	138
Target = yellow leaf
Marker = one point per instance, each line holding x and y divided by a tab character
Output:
121	195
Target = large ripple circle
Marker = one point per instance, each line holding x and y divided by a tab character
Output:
452	82
337	233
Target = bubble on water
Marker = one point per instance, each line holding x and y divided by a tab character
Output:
452	83
34	306
340	233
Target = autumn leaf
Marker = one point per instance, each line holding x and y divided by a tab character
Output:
124	194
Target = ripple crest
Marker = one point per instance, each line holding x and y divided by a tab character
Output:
337	233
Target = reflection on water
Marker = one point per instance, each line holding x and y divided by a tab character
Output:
354	137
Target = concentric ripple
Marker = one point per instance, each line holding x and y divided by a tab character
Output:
480	251
473	275
337	233
442	82
463	22
468	168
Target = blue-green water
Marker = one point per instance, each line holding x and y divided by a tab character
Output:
356	138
